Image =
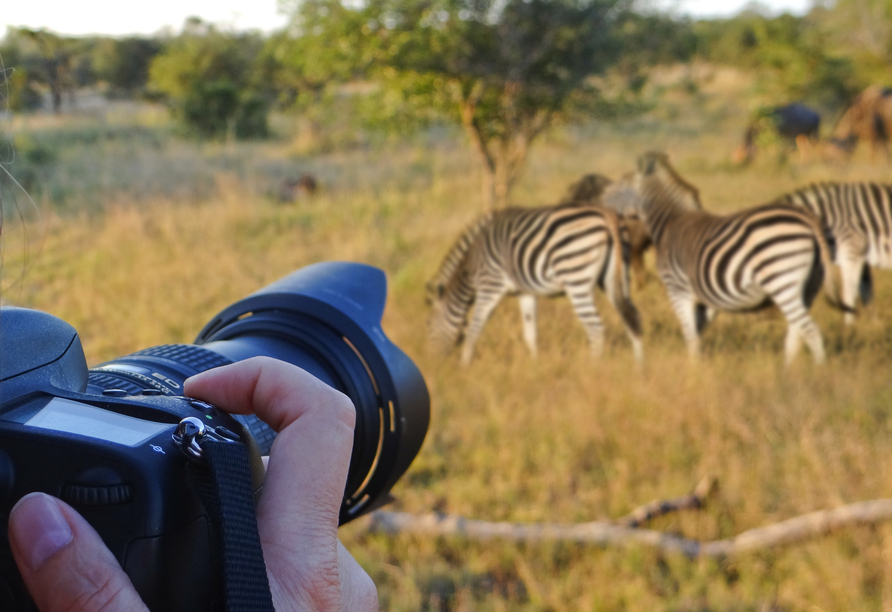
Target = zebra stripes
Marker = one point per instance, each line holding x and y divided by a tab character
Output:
531	252
776	253
859	217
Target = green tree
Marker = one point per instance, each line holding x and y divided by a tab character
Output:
123	63
18	90
209	80
326	52
46	59
506	70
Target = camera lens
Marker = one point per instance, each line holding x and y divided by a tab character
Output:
326	319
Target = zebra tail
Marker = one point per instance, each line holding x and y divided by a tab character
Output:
617	285
826	246
865	285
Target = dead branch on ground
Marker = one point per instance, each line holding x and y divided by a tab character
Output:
625	533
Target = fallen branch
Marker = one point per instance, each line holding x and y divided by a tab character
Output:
606	533
697	499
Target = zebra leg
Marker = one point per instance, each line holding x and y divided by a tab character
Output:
528	315
814	340
637	347
691	315
583	300
800	325
806	328
851	267
484	304
632	322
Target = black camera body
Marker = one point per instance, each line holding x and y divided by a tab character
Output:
103	439
114	460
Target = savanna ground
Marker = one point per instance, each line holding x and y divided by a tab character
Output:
143	237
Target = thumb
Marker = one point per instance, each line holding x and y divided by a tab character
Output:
64	562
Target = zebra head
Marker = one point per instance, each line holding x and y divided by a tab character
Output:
449	310
659	185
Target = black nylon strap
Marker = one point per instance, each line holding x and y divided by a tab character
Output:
224	486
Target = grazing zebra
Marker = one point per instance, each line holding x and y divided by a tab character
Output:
859	217
531	252
773	253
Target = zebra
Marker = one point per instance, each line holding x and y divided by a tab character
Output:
530	252
774	253
859	218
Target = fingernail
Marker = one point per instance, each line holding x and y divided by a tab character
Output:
39	528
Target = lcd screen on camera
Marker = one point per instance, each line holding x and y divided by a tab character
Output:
78	418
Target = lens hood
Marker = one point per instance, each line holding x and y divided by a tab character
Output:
326	318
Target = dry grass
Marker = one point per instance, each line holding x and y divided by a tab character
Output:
563	438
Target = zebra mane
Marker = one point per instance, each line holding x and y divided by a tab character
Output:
622	197
666	182
587	190
457	254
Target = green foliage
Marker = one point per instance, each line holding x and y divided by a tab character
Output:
218	108
653	39
123	63
209	79
791	57
522	58
47	61
326	41
18	91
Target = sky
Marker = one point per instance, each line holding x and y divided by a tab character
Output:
116	18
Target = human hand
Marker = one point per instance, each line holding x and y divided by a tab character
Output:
66	566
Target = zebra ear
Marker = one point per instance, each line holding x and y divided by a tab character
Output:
434	291
647	163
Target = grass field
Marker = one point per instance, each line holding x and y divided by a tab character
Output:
141	238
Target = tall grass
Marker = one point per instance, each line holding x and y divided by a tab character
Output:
562	438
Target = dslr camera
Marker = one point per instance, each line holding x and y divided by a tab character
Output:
114	441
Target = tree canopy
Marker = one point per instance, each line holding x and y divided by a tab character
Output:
505	70
208	78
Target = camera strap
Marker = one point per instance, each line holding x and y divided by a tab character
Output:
223	482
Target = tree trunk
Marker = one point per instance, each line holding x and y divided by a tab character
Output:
502	156
468	106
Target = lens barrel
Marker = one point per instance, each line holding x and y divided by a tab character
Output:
326	319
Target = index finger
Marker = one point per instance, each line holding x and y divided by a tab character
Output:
277	392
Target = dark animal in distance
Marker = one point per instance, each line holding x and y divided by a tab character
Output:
795	123
293	189
598	190
869	120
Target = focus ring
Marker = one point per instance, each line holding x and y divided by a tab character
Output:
195	357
